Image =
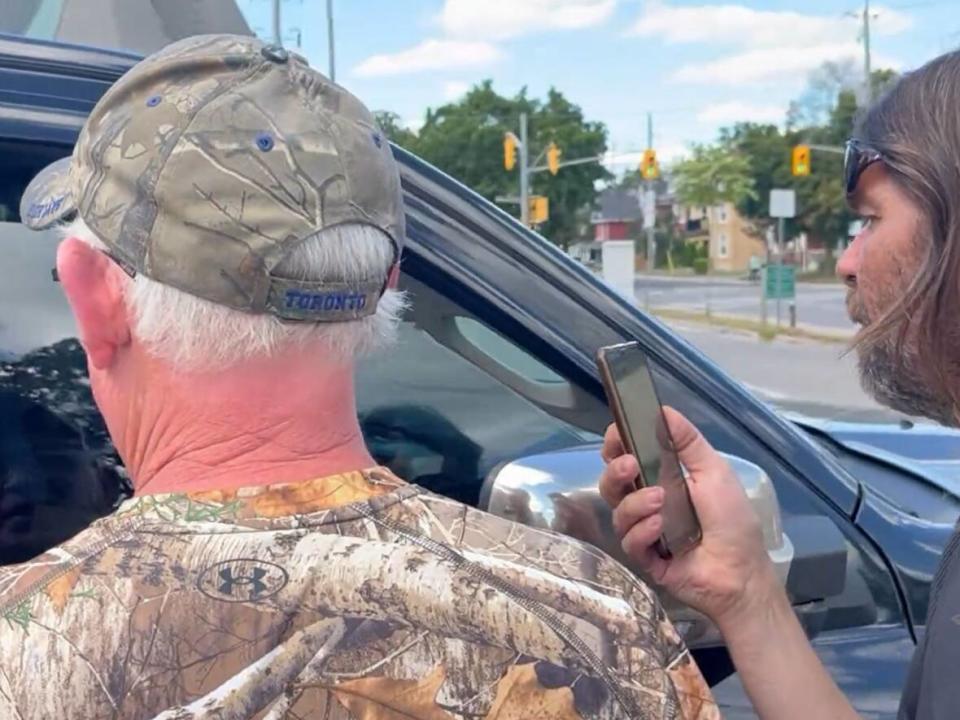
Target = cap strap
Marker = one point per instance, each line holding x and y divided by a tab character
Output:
304	301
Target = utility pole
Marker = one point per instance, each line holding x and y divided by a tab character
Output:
866	52
277	32
650	203
333	68
524	173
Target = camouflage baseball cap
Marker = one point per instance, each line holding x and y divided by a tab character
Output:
209	161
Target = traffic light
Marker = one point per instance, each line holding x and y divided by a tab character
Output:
539	209
801	160
649	169
553	158
509	151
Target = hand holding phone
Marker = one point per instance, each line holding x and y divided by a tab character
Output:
637	412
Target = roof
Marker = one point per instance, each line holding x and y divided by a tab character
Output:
142	26
617	205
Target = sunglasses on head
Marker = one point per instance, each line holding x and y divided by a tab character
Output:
857	157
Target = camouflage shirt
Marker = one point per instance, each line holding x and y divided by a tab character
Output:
354	596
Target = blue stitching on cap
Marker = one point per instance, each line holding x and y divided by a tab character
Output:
153	100
265	141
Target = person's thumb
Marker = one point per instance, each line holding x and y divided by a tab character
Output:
709	480
694	451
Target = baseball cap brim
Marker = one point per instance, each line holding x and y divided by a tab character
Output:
49	198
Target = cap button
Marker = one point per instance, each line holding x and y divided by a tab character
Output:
275	53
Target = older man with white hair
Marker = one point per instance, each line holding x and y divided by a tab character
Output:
233	225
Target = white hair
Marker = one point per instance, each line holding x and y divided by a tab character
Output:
191	333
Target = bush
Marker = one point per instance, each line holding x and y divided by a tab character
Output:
701	265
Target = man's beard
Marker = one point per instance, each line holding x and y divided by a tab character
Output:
891	372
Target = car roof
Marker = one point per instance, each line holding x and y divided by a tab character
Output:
48	88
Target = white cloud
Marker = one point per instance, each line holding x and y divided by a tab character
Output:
736	110
741	25
413	124
455	89
770	43
502	19
431	54
770	63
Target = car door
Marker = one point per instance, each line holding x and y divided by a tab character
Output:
484	372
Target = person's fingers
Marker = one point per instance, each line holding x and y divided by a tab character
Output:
637	507
619	479
612	444
639	542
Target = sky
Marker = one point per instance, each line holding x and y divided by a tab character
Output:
695	65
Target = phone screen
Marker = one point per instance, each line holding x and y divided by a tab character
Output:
640	410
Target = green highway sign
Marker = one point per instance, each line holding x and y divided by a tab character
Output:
780	282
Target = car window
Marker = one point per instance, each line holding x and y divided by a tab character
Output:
454	398
58	471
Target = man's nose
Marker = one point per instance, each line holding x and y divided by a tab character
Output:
848	267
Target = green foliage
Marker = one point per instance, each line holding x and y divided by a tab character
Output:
390	124
701	265
824	115
712	175
767	152
465	140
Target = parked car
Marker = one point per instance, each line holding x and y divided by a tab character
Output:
492	398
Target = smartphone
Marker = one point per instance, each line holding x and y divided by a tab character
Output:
639	417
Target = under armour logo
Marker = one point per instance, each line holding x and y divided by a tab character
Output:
255	579
242	580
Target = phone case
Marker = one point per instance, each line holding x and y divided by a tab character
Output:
688	539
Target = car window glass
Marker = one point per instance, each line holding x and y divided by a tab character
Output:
431	409
58	471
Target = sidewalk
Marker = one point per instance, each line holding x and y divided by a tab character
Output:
723	279
769	331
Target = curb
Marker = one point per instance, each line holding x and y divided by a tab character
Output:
768	332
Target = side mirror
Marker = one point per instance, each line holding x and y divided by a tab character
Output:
558	491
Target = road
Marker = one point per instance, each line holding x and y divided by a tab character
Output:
804	376
820	305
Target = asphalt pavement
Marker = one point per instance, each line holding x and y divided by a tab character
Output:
818	304
800	375
809	377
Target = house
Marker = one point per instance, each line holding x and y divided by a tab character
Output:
732	244
618	215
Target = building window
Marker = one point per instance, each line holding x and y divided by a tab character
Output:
721	213
723	249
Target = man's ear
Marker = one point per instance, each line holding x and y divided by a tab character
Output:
393	279
94	291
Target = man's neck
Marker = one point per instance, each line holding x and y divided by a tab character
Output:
245	427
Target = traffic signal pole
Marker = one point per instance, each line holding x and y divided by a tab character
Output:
524	173
651	238
516	151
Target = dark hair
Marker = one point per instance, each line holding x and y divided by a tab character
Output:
915	126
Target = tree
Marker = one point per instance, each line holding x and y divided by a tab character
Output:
390	124
821	203
465	139
824	84
572	188
767	151
712	175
